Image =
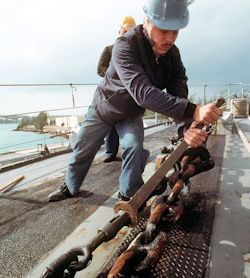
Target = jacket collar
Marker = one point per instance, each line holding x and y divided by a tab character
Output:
147	37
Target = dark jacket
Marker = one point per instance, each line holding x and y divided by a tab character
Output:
104	60
135	81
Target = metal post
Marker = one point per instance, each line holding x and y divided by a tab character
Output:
204	94
229	96
156	118
73	98
242	91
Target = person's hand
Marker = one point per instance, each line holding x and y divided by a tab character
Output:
194	137
207	114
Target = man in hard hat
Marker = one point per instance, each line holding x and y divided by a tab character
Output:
144	61
112	139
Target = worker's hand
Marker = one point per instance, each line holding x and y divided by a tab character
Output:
195	136
207	114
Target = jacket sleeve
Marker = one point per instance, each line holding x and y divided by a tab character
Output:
178	87
104	61
130	70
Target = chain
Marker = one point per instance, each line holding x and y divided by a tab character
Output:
145	250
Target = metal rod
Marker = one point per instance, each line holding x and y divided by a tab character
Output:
242	91
47	84
50	110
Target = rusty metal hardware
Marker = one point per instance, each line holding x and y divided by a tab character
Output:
175	139
142	195
67	264
148	246
139	255
164	208
167	149
146	249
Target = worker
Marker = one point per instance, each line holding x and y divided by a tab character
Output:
112	139
145	61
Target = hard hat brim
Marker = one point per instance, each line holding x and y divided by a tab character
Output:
169	23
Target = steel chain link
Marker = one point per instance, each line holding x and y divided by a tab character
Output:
145	250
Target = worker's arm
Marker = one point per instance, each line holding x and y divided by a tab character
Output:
130	70
177	84
205	114
129	67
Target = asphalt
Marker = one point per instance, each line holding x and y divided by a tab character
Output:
31	227
31	238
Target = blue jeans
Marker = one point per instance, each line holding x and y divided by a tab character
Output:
89	140
112	143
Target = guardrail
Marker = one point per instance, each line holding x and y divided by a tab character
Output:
78	92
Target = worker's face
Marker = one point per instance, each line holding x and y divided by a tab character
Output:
163	39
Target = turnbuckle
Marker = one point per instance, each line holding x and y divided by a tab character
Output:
68	264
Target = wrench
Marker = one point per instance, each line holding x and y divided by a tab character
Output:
141	196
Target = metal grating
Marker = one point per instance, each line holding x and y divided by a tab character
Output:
186	253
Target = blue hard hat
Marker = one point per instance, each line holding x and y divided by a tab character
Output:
167	14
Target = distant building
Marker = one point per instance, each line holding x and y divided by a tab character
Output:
66	121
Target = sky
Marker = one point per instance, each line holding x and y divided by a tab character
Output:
60	42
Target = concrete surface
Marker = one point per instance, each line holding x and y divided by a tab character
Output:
230	248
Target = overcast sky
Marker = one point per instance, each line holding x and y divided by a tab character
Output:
52	41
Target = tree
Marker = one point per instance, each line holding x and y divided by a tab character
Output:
26	120
41	120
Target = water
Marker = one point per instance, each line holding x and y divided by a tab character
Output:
16	140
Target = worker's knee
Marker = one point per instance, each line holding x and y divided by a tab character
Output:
130	141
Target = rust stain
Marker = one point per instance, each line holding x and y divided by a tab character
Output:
122	232
83	229
238	193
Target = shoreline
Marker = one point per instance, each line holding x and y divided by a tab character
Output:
52	131
31	150
46	129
